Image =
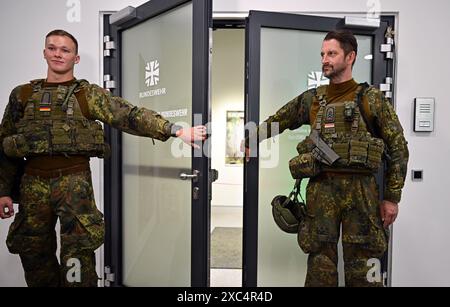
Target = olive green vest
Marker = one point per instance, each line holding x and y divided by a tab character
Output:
341	126
53	124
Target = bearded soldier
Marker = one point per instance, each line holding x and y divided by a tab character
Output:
353	126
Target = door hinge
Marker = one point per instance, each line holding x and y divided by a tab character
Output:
109	46
386	87
109	276
109	82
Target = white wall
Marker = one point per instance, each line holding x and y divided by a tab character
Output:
23	26
421	251
227	95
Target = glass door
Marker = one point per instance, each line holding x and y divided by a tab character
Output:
283	60
159	205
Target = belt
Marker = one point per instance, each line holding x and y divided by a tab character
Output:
327	169
330	172
57	172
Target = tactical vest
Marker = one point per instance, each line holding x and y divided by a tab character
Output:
340	126
53	124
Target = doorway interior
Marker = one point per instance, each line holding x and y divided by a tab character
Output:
228	96
227	123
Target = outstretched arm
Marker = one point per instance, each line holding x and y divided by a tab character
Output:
291	116
122	115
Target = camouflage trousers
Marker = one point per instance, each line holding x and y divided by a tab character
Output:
351	201
32	234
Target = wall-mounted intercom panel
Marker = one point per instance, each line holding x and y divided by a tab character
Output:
424	114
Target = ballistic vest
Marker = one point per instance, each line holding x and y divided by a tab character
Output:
53	124
340	125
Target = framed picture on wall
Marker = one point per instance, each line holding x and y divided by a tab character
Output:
235	134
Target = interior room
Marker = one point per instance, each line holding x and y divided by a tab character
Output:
227	192
191	230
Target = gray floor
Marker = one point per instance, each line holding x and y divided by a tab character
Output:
226	217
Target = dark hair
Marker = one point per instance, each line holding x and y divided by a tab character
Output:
64	33
346	39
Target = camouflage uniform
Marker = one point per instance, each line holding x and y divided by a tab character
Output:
63	190
348	197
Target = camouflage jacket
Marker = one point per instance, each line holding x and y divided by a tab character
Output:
302	109
101	105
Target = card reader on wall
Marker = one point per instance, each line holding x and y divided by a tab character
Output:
424	114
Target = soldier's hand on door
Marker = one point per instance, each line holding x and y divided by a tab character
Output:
246	150
6	207
192	135
389	212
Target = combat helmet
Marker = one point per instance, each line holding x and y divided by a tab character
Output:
288	211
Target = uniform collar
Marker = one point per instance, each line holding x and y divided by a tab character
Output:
335	90
56	84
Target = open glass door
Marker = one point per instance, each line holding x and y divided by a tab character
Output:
283	60
156	194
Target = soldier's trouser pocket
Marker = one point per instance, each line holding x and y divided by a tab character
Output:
82	224
321	223
24	238
313	233
14	241
93	233
370	237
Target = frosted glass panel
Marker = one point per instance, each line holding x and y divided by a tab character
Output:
157	74
290	63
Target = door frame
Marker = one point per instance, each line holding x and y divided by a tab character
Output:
200	216
255	21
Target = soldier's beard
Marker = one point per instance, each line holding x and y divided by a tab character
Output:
333	72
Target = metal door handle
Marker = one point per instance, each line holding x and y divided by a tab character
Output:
193	176
184	176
